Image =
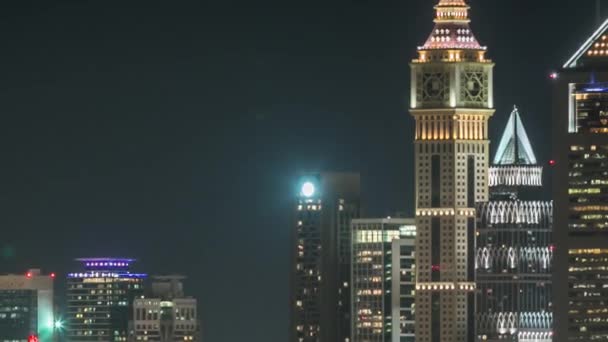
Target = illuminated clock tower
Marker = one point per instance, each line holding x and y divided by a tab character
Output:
451	102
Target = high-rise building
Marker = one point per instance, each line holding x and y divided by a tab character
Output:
514	246
320	276
100	298
26	307
165	314
403	287
451	102
383	280
580	192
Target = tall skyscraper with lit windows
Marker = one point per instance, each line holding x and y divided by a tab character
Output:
382	288
451	102
100	298
320	303
580	192
514	257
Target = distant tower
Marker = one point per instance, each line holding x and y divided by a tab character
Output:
320	279
514	246
100	298
451	101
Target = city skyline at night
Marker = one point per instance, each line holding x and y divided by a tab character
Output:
177	134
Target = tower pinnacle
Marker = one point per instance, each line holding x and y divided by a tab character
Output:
452	29
514	147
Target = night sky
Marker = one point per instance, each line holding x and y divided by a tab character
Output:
171	131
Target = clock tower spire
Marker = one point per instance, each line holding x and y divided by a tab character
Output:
451	101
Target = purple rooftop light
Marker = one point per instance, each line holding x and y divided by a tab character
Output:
105	263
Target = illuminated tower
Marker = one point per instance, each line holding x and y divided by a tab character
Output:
451	101
320	275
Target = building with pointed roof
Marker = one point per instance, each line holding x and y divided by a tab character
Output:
514	147
514	250
451	101
593	52
580	192
452	29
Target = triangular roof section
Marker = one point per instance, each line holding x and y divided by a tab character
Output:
514	147
451	29
595	47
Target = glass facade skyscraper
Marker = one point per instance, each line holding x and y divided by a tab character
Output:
383	280
514	249
580	149
100	299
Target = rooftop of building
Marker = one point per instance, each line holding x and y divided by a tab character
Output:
593	52
514	147
452	29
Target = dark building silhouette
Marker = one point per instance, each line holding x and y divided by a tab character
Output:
325	203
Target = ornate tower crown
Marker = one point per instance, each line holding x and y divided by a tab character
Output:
451	70
452	29
451	32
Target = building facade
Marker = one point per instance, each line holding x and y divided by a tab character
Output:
404	287
320	279
451	102
580	192
382	279
26	307
100	298
514	257
165	314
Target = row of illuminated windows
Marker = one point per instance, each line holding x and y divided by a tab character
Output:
13	315
581	226
575	148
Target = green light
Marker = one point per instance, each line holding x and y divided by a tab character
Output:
58	324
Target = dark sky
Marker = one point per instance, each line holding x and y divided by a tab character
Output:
171	131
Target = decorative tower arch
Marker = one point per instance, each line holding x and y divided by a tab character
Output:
451	102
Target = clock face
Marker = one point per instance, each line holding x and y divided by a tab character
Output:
474	87
434	86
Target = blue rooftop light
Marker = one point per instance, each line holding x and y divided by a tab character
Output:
106	263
